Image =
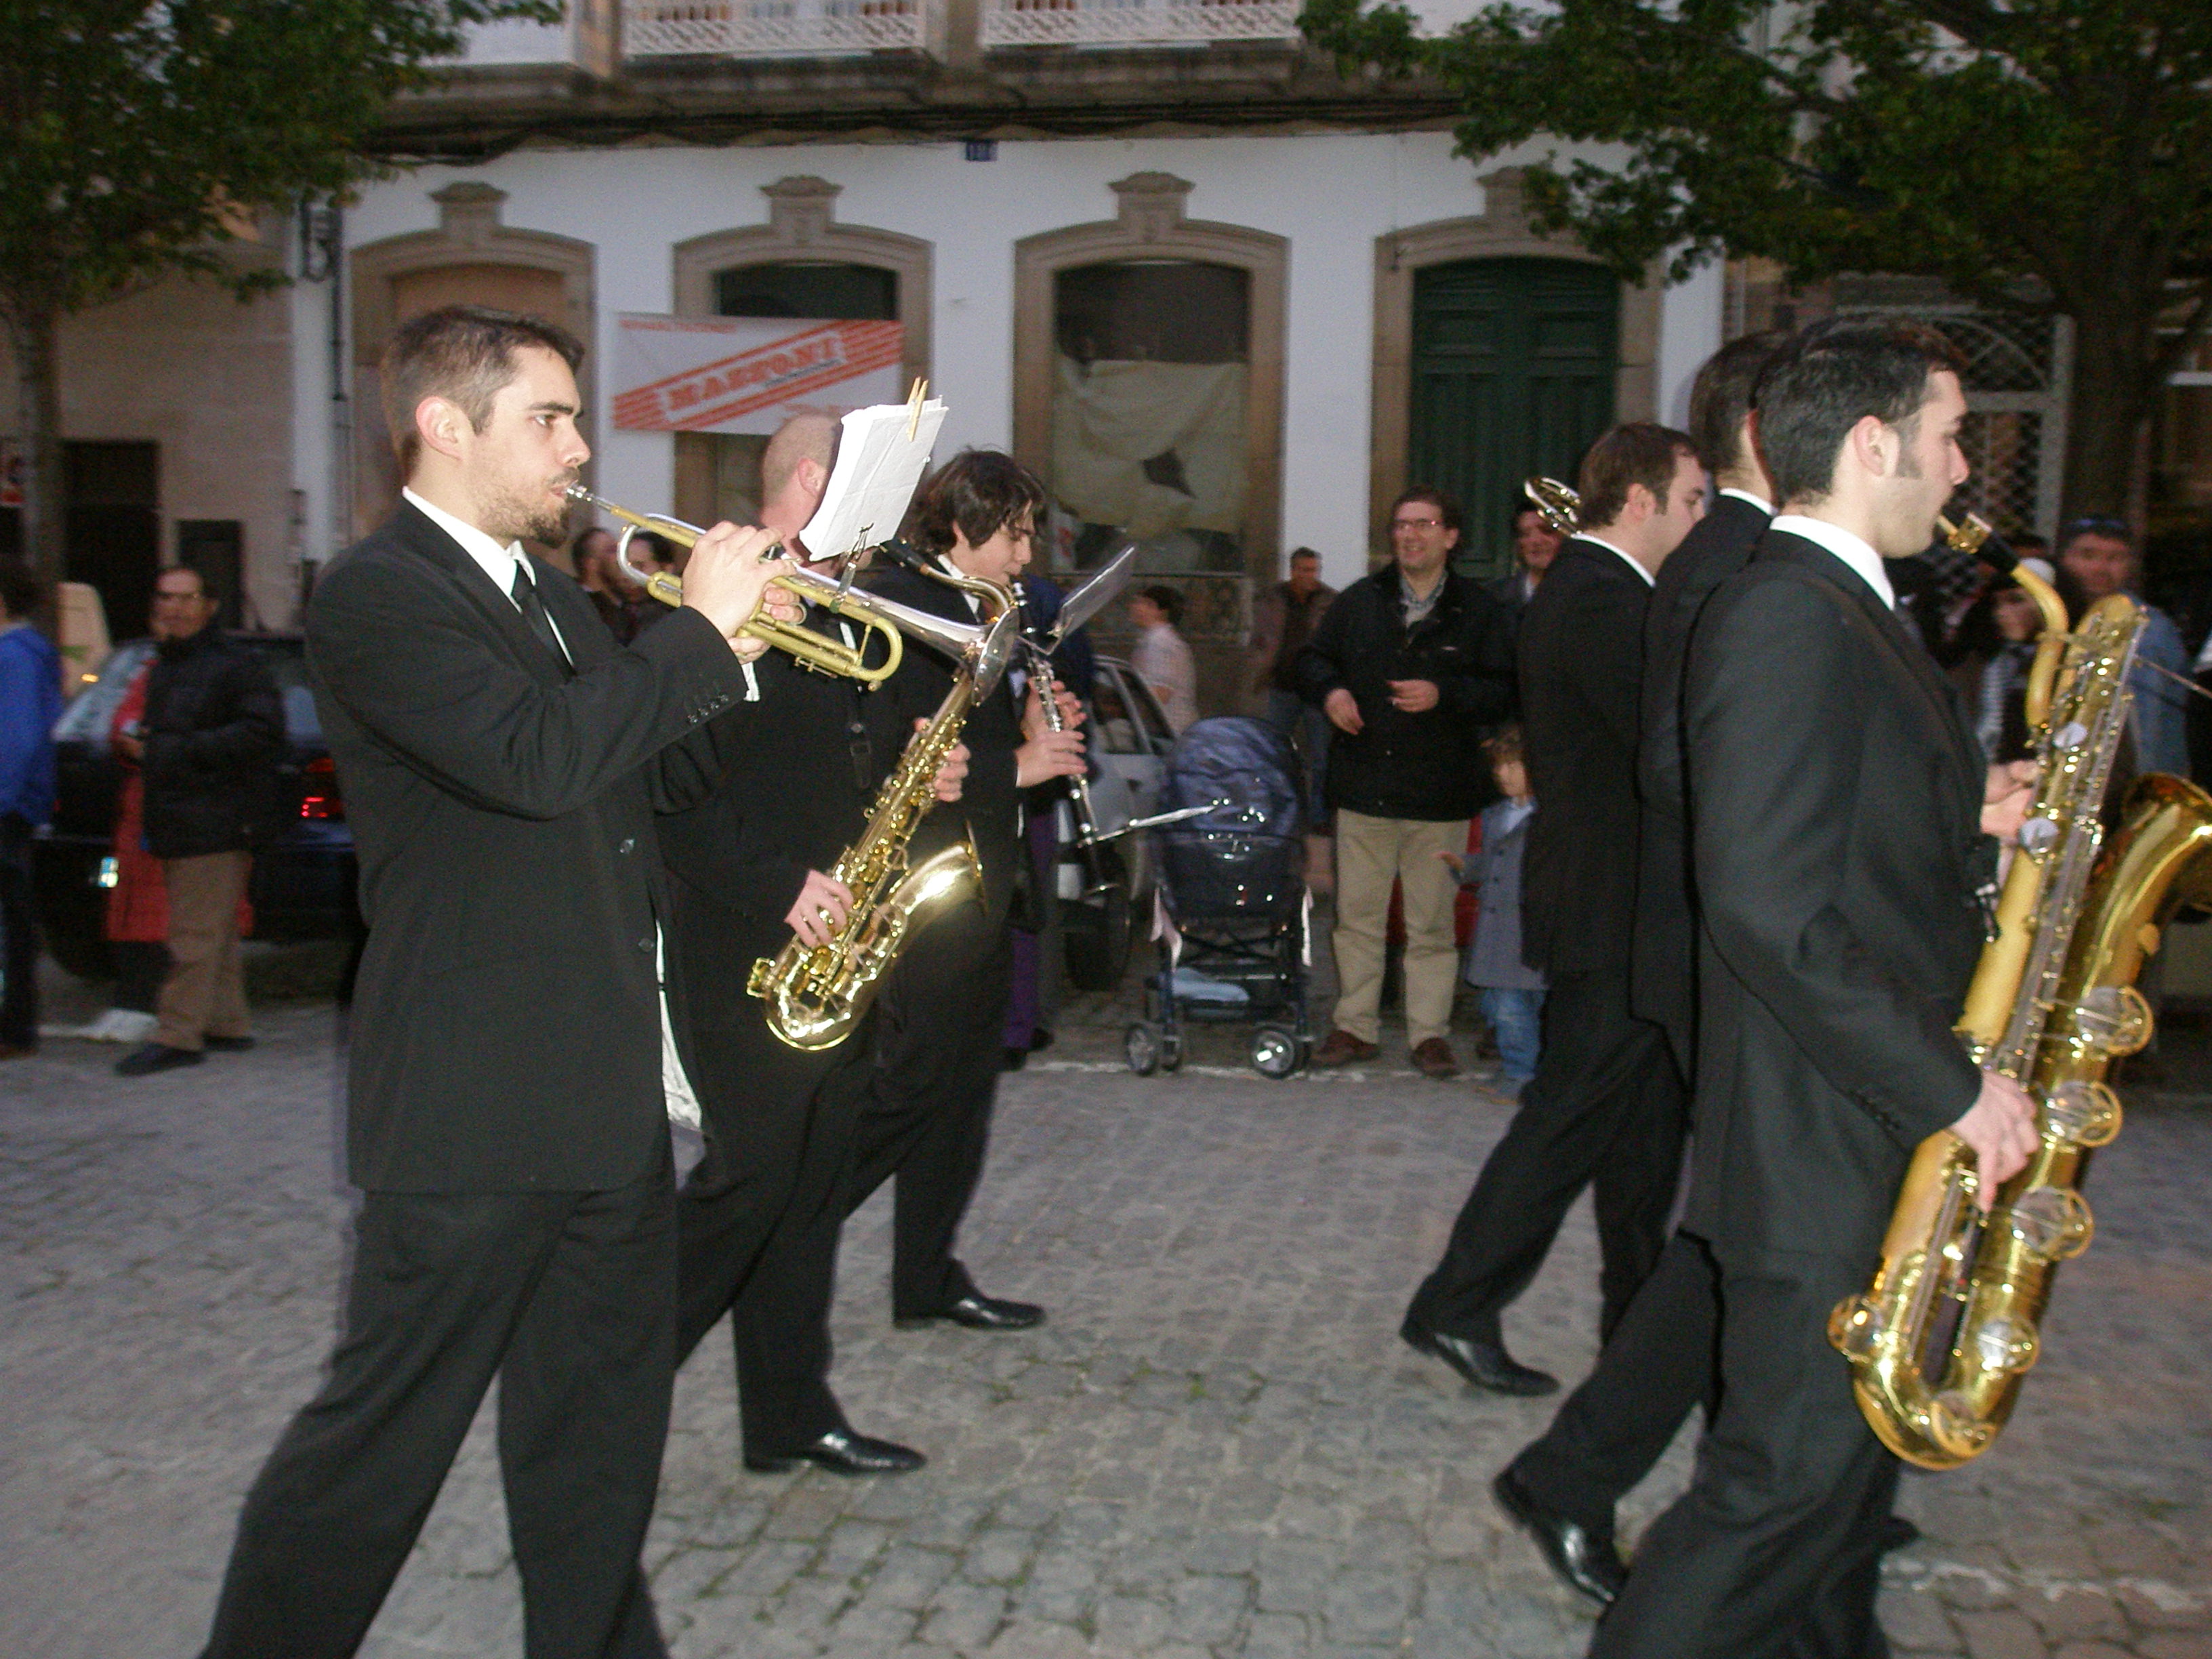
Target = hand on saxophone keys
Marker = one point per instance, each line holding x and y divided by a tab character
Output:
2006	796
2001	1128
820	910
726	581
951	777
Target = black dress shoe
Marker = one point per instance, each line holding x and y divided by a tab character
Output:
842	1452
226	1045
1897	1534
1584	1559
979	1312
1486	1364
152	1057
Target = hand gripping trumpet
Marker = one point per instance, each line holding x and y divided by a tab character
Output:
836	594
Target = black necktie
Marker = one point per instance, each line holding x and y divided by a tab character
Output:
533	612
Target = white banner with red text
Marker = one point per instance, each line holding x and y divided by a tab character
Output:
748	374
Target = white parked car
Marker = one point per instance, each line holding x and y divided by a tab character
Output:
1106	891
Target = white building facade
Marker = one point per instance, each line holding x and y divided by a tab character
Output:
1225	300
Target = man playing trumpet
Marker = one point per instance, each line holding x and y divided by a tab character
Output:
513	1064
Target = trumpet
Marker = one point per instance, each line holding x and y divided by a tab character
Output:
836	595
1557	503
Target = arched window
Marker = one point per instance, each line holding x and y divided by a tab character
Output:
801	264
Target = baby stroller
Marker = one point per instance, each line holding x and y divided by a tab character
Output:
1230	900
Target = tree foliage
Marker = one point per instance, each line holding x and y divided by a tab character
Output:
2057	153
138	134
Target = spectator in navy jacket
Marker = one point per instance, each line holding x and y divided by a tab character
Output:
30	703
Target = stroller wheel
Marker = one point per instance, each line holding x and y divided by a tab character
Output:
1140	1046
1171	1051
1277	1053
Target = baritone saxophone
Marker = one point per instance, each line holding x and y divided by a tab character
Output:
816	993
1941	1341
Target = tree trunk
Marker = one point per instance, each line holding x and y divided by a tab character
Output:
2115	381
37	378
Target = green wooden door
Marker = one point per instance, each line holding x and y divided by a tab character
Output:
1513	370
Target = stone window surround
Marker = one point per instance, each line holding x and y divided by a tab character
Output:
802	225
1150	225
1499	231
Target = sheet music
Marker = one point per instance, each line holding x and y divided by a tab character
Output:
877	468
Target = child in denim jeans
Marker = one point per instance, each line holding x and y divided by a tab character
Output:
1512	994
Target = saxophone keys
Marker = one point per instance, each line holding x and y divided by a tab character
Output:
2085	1114
2005	1346
1856	1327
2051	1224
2111	1020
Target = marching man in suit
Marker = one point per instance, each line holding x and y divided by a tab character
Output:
1563	1489
758	1225
514	1065
1838	804
1605	1104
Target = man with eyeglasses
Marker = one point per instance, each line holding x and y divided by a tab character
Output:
2099	553
1411	665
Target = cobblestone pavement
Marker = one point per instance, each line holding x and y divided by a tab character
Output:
1215	1447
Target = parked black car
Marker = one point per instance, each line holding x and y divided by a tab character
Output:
303	885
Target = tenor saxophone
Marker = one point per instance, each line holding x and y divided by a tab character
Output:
1942	1341
816	993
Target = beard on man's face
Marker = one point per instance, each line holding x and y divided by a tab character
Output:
532	518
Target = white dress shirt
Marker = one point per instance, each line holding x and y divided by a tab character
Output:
500	563
1758	501
1865	562
1629	559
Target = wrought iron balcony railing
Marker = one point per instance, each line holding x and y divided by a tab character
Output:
1135	22
762	28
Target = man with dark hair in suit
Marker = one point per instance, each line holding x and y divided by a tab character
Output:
914	1106
1606	1104
1658	1365
924	1123
1839	803
513	1061
748	873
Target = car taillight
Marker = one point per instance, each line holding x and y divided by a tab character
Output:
320	798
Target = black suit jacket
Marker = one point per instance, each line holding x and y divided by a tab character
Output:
506	1033
738	858
1835	799
1582	675
1663	986
989	807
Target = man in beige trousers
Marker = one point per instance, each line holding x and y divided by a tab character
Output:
1413	665
208	746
